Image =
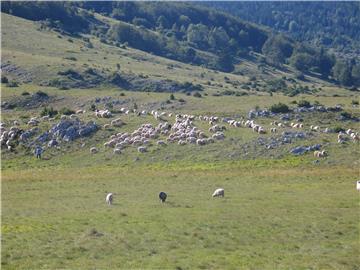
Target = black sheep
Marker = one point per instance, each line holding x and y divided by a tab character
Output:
162	196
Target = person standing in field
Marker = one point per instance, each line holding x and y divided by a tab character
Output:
38	151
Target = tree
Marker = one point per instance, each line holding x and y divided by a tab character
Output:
197	34
224	62
342	73
302	61
276	49
218	38
355	74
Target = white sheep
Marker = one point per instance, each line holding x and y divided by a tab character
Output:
109	198
219	193
93	150
320	154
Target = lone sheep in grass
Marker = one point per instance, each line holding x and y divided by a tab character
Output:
320	154
162	196
219	193
93	150
109	198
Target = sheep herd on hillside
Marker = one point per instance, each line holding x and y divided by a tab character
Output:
184	131
172	128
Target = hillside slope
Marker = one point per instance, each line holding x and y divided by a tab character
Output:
186	33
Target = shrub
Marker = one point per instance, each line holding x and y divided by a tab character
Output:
182	100
197	94
4	79
346	115
41	94
25	93
299	75
304	103
279	108
354	102
72	58
48	112
337	129
13	84
122	94
172	97
92	107
66	111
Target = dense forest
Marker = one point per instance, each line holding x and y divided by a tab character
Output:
203	35
330	24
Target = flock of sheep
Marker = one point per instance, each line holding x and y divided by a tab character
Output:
162	196
183	131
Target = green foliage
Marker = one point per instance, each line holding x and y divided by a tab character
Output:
279	108
276	49
172	97
197	94
338	129
4	79
66	111
354	102
41	94
48	112
13	84
93	107
304	103
25	93
327	24
59	15
342	73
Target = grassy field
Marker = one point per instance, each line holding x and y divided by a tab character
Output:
279	212
276	215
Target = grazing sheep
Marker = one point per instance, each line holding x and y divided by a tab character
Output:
162	196
109	198
142	149
320	154
161	142
117	151
93	150
219	193
117	122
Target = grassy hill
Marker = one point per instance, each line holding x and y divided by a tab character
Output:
280	210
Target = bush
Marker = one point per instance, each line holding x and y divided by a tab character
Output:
279	108
337	129
299	75
4	79
304	103
182	100
346	115
48	112
41	94
122	94
13	84
197	94
66	111
172	97
354	102
92	107
25	93
72	58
